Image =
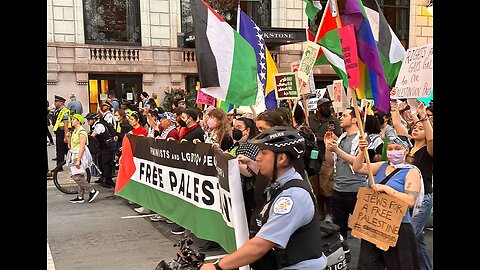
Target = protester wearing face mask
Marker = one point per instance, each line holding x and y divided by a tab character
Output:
244	130
405	184
218	130
189	128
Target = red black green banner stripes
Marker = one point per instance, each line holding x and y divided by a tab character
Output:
192	184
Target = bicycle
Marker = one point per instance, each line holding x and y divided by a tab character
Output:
187	258
63	180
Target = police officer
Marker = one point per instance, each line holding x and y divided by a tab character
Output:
105	147
289	234
60	128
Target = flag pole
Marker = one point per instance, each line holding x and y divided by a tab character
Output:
354	99
321	22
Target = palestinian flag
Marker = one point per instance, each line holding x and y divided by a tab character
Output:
181	181
227	65
390	48
331	49
312	8
380	51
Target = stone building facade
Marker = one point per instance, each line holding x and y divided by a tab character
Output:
157	62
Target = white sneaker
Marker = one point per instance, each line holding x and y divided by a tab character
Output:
142	210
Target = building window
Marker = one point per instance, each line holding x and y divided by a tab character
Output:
187	18
260	11
112	22
396	13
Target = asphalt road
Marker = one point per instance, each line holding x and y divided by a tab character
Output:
94	236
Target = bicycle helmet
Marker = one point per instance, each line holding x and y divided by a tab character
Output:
281	139
92	115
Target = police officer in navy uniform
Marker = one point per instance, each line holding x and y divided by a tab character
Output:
60	128
289	235
105	147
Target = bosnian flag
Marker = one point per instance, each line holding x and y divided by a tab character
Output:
226	63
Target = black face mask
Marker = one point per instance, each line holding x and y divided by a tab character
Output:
182	123
325	112
237	134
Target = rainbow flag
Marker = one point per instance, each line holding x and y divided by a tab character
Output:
380	51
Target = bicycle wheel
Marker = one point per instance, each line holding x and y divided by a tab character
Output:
64	182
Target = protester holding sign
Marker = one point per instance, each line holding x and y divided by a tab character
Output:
405	184
289	236
420	155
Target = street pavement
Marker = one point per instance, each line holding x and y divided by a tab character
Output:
94	236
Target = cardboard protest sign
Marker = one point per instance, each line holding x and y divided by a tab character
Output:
350	55
308	60
203	98
415	78
377	217
286	86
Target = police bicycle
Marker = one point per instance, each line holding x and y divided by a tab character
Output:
62	178
187	258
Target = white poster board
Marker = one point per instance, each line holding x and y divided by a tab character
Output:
415	78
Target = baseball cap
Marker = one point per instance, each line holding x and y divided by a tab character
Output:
322	101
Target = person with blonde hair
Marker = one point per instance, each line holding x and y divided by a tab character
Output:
218	129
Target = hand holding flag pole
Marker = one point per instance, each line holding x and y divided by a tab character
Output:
354	96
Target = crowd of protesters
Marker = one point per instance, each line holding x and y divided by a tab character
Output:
401	138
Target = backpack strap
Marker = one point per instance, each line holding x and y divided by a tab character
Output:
390	175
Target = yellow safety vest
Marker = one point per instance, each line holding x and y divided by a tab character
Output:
128	112
119	127
59	122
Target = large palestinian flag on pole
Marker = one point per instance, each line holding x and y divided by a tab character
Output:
226	62
194	185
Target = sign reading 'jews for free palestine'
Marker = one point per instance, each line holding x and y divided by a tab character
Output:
415	78
377	217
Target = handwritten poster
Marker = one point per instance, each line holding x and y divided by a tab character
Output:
308	60
377	217
416	73
203	98
350	55
286	86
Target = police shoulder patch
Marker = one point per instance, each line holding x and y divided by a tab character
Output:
283	206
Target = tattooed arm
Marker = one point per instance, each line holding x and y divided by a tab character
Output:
412	188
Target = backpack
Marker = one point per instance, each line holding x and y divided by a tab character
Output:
93	145
110	129
312	166
106	139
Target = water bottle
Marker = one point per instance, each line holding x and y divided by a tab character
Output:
313	161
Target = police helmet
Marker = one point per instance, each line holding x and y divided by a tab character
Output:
92	115
281	139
